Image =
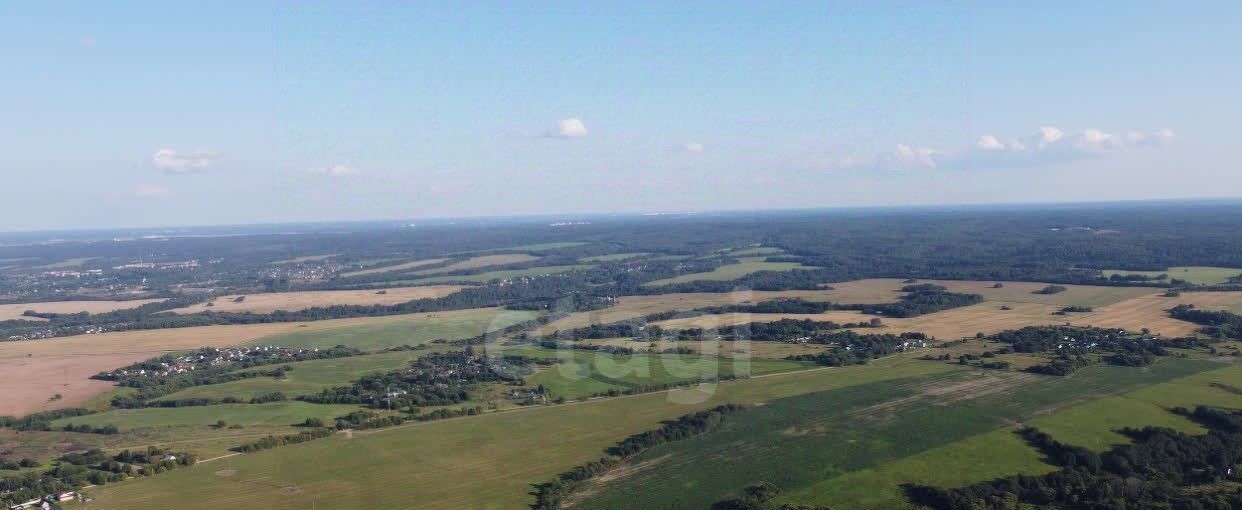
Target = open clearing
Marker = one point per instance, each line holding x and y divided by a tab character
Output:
395	267
833	433
1091	424
307	258
295	301
747	266
614	257
35	370
478	262
501	275
486	461
307	377
276	413
14	311
1199	275
411	329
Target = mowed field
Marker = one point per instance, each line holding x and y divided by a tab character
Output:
394	267
411	329
1200	275
478	262
487	461
35	370
15	311
295	301
1090	424
747	266
1121	307
633	307
503	274
834	433
307	377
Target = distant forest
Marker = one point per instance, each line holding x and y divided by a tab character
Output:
1054	244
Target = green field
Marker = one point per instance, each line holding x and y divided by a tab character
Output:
585	373
831	434
496	275
307	377
413	329
273	414
732	271
1199	275
487	461
1091	424
756	251
613	258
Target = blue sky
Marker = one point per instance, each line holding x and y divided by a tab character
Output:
140	114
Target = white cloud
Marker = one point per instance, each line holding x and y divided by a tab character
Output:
151	190
568	128
1047	146
695	147
174	162
334	171
990	143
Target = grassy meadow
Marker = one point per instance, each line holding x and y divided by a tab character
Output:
1199	275
747	265
411	329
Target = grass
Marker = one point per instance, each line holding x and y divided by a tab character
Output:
499	275
731	271
307	377
478	262
294	301
387	268
613	257
756	251
1201	275
408	330
273	414
1091	424
584	373
487	461
828	435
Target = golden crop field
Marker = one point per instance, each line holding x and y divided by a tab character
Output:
35	370
14	311
294	301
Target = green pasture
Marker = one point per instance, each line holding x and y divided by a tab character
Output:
410	329
1200	275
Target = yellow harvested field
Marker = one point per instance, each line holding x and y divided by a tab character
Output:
14	311
877	290
396	267
1131	308
294	301
478	262
632	307
35	370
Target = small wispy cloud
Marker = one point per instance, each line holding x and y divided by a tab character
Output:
151	191
334	171
1048	145
568	128
175	162
694	147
